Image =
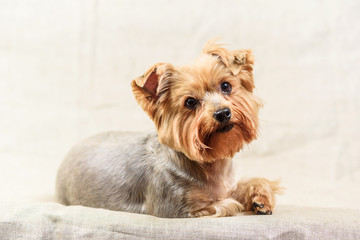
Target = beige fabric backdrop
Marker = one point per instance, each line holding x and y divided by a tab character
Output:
65	69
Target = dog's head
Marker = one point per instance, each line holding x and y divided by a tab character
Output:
206	109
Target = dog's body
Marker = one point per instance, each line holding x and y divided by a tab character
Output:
143	178
204	113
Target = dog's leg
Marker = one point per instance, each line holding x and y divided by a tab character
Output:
257	194
223	208
202	204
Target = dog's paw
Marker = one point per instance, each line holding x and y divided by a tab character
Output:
224	208
257	195
261	205
210	211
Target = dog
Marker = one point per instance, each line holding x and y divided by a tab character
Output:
204	113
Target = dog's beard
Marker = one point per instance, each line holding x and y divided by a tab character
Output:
218	141
203	139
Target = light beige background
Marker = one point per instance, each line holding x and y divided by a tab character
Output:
65	69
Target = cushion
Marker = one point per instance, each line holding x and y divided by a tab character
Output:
55	221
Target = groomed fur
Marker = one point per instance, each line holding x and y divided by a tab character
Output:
204	113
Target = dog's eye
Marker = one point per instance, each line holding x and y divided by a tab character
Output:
225	87
191	103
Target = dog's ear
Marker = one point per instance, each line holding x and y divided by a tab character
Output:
150	87
239	62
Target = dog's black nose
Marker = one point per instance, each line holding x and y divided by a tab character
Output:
223	115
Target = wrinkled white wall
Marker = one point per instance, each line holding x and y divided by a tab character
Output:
65	69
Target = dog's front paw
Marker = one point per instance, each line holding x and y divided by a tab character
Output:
257	195
224	208
262	205
203	213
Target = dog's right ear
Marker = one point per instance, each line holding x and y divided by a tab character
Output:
151	86
239	62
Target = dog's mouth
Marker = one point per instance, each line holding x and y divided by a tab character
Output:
225	128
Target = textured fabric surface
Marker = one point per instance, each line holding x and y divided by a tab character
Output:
65	72
54	221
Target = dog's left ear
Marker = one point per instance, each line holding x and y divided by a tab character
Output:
239	62
151	86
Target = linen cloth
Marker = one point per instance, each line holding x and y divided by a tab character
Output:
55	221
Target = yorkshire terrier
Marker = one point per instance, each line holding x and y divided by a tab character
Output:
204	113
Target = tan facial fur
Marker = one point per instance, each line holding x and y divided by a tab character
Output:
163	90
